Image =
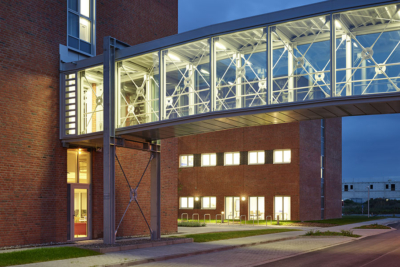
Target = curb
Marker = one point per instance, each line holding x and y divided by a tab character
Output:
181	255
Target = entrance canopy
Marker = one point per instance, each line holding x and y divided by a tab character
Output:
331	59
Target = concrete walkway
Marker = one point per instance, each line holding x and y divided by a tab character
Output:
228	253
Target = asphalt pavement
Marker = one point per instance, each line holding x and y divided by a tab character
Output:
378	250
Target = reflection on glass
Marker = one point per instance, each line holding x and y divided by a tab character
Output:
80	213
241	69
84	167
301	60
138	92
73	24
367	51
187	80
85	7
91	100
71	166
84	30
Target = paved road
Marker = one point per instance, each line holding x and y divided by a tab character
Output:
379	250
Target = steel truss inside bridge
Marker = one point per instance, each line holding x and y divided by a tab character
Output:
331	59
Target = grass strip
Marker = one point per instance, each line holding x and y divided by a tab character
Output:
191	224
43	254
207	237
373	226
329	233
250	222
348	220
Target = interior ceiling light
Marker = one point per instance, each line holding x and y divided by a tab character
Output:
338	24
219	45
355	45
174	57
204	71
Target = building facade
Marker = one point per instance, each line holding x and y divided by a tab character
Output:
36	170
386	188
255	172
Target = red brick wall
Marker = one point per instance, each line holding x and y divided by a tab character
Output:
33	199
333	168
310	170
266	180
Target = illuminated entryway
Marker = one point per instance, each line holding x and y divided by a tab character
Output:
232	207
256	208
282	207
79	192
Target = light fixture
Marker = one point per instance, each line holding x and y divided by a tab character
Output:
243	198
204	71
219	45
338	24
222	212
174	57
79	151
197	199
355	45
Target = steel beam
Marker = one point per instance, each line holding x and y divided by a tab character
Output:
155	193
108	141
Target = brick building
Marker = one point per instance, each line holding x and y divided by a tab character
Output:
33	162
263	171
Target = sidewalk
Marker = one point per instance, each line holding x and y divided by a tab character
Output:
251	251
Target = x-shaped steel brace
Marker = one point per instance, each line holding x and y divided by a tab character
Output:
133	194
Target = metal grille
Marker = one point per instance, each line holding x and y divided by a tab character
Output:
70	104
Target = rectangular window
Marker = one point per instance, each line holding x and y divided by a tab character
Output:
346	187
387	186
78	166
282	156
209	159
393	187
186	161
232	158
351	187
256	157
371	186
81	25
256	208
186	202
208	202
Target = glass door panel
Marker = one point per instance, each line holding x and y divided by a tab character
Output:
261	208
282	208
232	207
252	208
278	208
80	213
286	208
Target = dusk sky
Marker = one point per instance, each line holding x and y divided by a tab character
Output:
371	144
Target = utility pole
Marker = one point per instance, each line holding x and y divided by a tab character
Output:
368	201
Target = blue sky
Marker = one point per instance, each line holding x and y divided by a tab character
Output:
371	144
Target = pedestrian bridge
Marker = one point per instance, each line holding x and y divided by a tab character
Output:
326	60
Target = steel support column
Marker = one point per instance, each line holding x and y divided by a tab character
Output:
155	202
108	141
269	68
332	18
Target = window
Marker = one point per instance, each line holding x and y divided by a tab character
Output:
351	187
346	187
256	157
208	203
371	186
392	187
80	25
387	186
78	166
282	156
186	202
232	158
256	208
186	161
209	159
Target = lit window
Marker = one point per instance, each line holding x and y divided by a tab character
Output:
186	161
232	158
282	156
78	166
209	159
186	202
256	157
208	202
80	25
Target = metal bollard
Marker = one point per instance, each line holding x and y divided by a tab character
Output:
277	219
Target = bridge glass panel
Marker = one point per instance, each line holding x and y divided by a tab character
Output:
241	69
90	99
138	90
368	51
301	60
186	86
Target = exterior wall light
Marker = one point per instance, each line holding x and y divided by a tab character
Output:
197	199
243	198
222	212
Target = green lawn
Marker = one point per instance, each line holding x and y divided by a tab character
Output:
43	254
373	226
329	233
348	220
207	237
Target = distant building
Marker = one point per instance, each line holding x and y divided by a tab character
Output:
386	187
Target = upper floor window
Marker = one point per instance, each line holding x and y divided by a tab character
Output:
346	187
256	157
209	159
81	24
282	156
232	158
186	161
78	166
